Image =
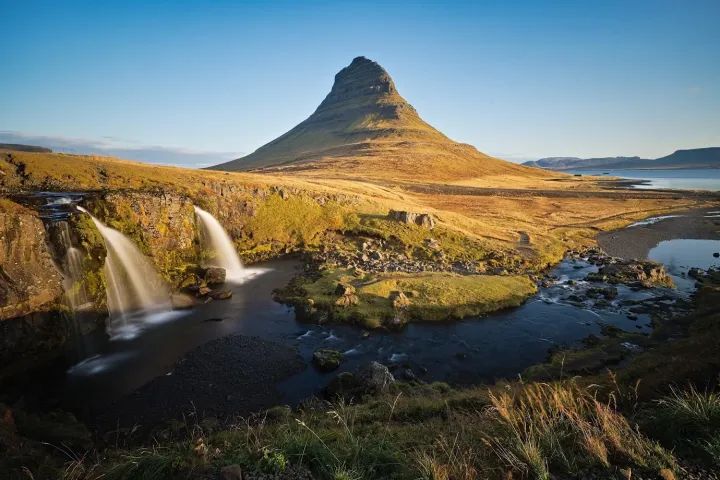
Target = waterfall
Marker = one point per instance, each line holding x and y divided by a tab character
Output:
215	238
72	269
133	284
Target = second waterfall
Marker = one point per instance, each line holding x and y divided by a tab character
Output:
217	240
134	287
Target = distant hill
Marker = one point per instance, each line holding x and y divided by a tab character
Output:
693	158
24	148
569	163
364	128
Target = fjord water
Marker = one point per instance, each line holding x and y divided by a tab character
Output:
678	179
134	287
217	240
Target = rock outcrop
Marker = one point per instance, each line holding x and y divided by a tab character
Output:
30	288
422	219
28	278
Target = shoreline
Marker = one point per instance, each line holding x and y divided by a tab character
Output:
636	242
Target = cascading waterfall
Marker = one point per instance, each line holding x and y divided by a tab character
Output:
215	238
73	269
134	286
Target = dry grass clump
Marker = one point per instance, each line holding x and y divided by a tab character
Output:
563	427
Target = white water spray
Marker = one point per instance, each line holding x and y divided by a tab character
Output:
133	284
215	238
73	269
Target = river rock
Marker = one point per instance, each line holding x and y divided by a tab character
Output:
215	275
375	378
607	292
220	295
327	360
202	291
695	272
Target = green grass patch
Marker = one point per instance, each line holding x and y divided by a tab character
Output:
433	296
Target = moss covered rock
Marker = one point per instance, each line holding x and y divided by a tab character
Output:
327	360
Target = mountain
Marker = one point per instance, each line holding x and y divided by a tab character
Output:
364	127
566	163
24	148
693	158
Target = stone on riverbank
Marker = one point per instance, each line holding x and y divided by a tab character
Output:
371	379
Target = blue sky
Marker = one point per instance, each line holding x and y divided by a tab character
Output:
193	82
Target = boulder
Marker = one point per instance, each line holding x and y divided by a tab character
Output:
327	360
374	378
422	219
215	275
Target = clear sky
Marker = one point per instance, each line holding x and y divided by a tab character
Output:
199	81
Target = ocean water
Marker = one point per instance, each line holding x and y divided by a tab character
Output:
681	179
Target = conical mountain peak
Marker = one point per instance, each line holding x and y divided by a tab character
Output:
361	78
364	127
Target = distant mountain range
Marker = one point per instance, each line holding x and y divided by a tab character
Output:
694	158
24	148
